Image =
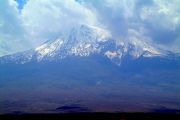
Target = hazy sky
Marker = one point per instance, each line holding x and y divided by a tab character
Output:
25	24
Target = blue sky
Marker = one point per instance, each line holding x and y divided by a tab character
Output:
21	3
25	24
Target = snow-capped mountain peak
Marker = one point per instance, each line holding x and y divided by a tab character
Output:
82	41
85	40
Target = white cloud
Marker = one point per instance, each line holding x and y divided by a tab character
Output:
163	13
44	19
11	31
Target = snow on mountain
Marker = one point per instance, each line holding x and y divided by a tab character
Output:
86	40
143	48
48	48
81	41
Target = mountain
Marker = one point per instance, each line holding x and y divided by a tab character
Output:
84	41
95	46
89	67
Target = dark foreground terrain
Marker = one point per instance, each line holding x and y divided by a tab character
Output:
90	85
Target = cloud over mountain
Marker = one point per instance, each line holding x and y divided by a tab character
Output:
157	21
154	20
